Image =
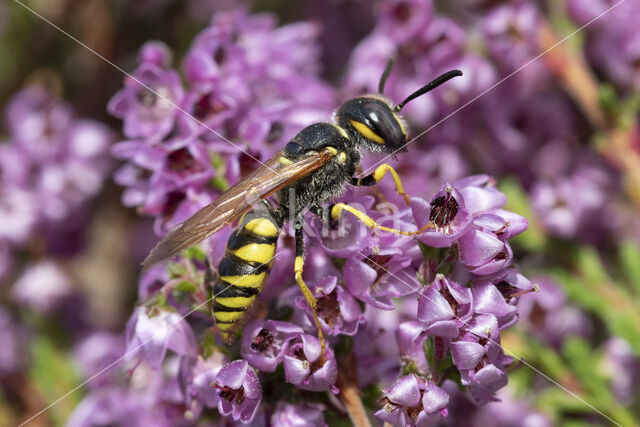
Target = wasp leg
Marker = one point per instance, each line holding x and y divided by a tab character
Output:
337	209
308	295
321	213
376	177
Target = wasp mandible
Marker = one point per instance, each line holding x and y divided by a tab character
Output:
318	164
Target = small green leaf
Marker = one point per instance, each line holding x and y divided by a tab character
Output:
176	269
185	286
630	261
534	239
430	353
195	252
54	375
444	364
219	183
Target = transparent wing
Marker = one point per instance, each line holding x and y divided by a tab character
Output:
268	179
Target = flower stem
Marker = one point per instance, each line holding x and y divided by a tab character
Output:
350	393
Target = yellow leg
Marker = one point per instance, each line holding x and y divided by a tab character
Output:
382	170
369	222
311	300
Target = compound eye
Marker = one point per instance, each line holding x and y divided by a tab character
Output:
384	123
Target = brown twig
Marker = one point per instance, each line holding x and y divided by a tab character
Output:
350	393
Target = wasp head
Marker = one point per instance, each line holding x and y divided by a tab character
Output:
371	121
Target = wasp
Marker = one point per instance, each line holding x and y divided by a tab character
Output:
315	166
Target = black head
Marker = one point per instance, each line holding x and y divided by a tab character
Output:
374	122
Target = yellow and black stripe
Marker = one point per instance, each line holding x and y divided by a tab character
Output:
245	267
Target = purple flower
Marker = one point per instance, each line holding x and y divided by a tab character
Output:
483	384
14	344
37	121
482	252
300	415
42	286
623	367
547	315
196	376
612	40
264	343
405	19
303	367
478	342
156	53
571	205
18	215
337	309
377	279
511	33
413	401
51	165
148	114
448	214
444	306
152	333
96	352
410	339
238	391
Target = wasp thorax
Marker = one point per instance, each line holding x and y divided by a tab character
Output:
372	122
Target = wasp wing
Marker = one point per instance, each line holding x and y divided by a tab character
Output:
268	179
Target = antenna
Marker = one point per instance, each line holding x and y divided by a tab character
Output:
385	75
429	86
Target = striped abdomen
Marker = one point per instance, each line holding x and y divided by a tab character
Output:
245	267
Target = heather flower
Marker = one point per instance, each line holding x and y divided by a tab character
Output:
612	40
97	351
494	297
405	19
299	415
477	342
375	348
483	384
18	215
378	278
413	401
14	344
42	286
264	343
351	237
52	163
623	368
147	105
156	53
338	310
37	121
410	339
238	391
447	212
482	252
303	367
151	333
248	81
511	34
150	398
444	306
548	316
195	376
568	205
